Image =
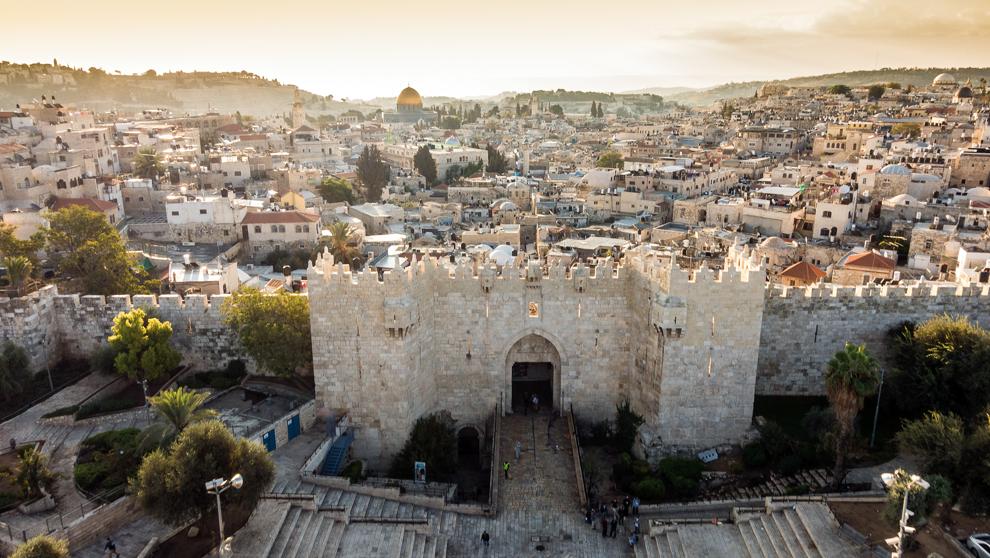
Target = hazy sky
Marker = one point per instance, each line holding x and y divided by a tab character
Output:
366	48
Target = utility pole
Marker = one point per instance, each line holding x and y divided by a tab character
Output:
876	412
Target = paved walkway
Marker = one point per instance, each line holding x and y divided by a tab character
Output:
61	444
543	478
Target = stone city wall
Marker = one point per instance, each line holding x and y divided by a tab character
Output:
803	327
49	325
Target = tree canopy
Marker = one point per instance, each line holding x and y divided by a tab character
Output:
147	163
143	345
497	163
12	247
840	89
875	92
273	328
610	160
89	252
372	172
852	375
43	546
433	441
170	482
942	365
335	190
425	165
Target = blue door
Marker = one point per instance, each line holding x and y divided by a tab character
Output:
293	425
269	440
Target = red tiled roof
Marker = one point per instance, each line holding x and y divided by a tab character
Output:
871	260
252	137
11	148
267	217
803	271
100	206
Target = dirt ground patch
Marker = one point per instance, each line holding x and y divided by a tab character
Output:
182	546
867	518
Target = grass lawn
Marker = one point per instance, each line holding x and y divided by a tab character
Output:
106	460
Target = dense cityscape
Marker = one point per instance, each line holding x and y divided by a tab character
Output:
242	318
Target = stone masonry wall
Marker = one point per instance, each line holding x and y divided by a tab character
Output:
802	328
50	325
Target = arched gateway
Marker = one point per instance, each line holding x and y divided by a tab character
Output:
532	366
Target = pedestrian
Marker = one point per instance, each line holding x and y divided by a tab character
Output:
13	444
110	549
536	404
604	526
635	505
625	505
505	469
518	449
587	515
622	515
633	539
485	538
636	526
612	523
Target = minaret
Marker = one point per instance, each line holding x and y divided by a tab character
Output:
298	114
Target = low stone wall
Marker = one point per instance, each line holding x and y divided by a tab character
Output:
102	522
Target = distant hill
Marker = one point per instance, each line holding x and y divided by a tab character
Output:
181	92
905	76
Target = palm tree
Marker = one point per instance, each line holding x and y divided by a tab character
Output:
148	163
341	243
176	409
32	473
851	376
19	269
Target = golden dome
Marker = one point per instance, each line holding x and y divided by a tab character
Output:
409	98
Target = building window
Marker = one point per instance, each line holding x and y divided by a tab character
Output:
226	232
305	228
202	212
257	228
237	173
140	198
298	229
175	213
274	228
281	228
534	310
826	214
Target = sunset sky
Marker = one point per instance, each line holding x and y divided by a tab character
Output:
367	48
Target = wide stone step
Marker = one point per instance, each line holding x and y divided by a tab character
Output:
285	533
674	537
318	529
762	537
298	536
786	533
649	547
419	546
332	544
360	505
375	507
803	537
331	498
406	546
776	541
749	539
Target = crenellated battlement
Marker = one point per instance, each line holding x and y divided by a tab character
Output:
912	291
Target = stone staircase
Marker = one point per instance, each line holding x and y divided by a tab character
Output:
339	523
815	480
803	530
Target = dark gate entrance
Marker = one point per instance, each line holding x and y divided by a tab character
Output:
529	378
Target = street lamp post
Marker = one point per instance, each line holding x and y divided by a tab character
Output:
904	529
218	487
876	412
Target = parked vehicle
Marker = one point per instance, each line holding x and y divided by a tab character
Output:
979	544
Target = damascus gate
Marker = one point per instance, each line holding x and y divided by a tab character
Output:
681	346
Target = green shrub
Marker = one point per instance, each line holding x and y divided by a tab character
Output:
7	499
62	411
101	406
102	360
124	439
354	471
650	490
681	474
788	465
754	456
798	490
90	476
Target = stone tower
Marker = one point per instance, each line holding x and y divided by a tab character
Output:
680	346
298	112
